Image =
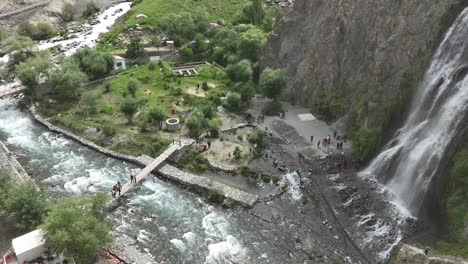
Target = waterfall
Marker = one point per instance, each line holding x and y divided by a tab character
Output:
411	159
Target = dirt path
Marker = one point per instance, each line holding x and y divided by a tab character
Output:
24	9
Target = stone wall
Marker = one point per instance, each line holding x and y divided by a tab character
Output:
188	179
9	164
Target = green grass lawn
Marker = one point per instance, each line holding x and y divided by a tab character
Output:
102	110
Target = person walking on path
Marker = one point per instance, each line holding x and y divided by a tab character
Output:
318	143
209	144
312	139
131	178
328	140
119	187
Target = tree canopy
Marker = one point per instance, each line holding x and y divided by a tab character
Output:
94	63
67	79
251	43
157	114
134	48
129	107
77	227
272	82
240	72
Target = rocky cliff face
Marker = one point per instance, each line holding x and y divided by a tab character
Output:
371	51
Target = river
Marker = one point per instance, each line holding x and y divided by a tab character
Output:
169	222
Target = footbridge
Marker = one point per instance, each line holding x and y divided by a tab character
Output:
176	145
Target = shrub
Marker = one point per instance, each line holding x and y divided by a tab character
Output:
272	82
272	108
246	171
265	178
258	140
215	196
213	128
233	102
69	12
132	86
366	142
329	107
107	87
151	66
240	72
193	161
186	51
90	9
237	153
44	31
108	130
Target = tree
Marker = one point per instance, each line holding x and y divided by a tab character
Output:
129	107
247	92
95	64
258	12
186	51
259	142
132	87
195	122
77	227
157	114
272	82
44	31
69	12
156	42
251	43
237	153
67	79
20	47
29	72
200	44
233	102
26	29
90	9
213	127
134	48
180	26
26	204
240	72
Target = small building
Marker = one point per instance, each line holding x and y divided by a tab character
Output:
170	44
119	63
29	246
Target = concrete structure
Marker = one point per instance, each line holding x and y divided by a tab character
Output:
119	63
173	124
170	44
29	246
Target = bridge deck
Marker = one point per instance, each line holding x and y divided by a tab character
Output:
152	166
10	91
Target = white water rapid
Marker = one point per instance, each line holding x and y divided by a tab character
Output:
411	160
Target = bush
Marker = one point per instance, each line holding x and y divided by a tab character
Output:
237	153
44	31
233	102
193	161
329	107
107	87
151	66
265	178
246	171
215	196
240	72
272	108
132	87
108	130
258	140
95	64
272	82
186	51
90	9
213	128
366	142
69	12
26	204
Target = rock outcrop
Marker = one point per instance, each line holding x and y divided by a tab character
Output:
412	255
373	50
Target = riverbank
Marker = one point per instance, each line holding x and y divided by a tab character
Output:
198	183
